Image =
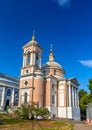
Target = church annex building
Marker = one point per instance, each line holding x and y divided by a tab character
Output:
47	85
9	91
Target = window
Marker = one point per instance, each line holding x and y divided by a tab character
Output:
28	58
27	71
54	115
53	99
8	92
26	82
36	60
53	86
54	72
44	72
16	94
25	98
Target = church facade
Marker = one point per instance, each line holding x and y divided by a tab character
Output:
46	85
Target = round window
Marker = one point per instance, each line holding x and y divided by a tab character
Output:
26	82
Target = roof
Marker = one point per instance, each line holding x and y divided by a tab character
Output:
4	76
73	80
8	80
33	42
52	64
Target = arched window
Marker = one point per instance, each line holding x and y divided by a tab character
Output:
27	71
53	86
8	92
28	58
44	72
25	98
53	99
54	72
36	60
16	94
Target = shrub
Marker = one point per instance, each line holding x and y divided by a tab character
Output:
27	111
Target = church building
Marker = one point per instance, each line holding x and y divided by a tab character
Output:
47	85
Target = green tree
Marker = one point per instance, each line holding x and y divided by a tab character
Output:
90	85
82	93
27	111
44	112
84	102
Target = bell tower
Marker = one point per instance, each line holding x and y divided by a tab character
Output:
29	73
31	57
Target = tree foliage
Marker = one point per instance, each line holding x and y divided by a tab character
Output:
84	101
82	93
90	85
85	98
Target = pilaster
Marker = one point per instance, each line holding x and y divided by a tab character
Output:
3	98
12	101
69	94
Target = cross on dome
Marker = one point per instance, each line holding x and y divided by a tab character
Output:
51	47
51	56
33	37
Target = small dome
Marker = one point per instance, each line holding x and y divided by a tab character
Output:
52	64
33	42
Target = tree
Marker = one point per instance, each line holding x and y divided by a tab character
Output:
83	101
82	93
43	112
90	85
27	111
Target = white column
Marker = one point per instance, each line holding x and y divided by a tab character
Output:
40	62
12	100
30	58
23	60
72	96
3	98
75	98
69	95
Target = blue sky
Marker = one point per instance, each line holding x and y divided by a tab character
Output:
67	24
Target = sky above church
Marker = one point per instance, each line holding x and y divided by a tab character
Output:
67	24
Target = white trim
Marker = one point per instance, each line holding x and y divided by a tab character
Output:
62	112
25	78
3	98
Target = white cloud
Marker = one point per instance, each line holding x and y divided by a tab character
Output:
87	63
63	2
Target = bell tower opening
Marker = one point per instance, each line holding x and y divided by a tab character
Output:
36	60
28	59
